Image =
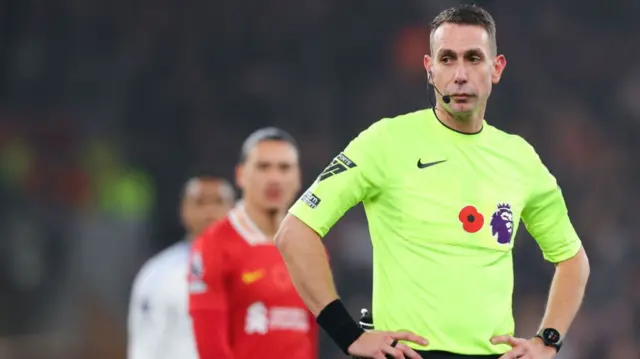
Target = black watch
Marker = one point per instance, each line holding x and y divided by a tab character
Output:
550	337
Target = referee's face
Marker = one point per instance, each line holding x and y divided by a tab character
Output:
463	66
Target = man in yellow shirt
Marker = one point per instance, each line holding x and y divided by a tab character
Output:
444	193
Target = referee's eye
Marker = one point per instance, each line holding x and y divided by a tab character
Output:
474	56
263	166
446	60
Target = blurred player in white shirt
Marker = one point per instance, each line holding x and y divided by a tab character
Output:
159	325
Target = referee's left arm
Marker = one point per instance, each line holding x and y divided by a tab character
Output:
546	218
355	175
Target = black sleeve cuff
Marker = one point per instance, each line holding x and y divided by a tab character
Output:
341	328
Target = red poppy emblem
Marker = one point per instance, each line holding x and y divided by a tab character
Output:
471	219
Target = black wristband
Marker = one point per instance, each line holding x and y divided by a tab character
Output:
336	321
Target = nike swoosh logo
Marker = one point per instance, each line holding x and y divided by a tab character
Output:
428	164
250	277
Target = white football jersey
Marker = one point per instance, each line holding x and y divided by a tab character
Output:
159	325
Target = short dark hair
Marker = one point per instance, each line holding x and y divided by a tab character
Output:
265	134
467	15
205	176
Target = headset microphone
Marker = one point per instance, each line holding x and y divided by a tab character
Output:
445	98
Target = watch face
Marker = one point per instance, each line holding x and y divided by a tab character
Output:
551	336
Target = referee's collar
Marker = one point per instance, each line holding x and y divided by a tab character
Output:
453	133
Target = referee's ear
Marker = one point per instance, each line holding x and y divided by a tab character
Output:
427	66
499	63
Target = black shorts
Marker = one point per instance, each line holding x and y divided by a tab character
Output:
447	355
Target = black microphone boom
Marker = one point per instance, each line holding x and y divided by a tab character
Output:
445	98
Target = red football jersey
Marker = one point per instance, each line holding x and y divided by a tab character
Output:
241	298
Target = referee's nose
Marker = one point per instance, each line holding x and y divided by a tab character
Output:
461	77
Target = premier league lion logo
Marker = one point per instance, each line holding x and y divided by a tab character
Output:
502	223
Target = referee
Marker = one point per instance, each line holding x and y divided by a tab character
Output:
444	193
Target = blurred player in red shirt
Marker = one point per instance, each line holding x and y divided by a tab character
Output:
241	299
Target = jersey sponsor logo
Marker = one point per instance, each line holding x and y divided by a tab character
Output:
428	164
252	276
339	164
257	319
310	199
502	223
260	319
286	318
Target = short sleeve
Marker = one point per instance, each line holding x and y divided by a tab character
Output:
208	274
546	217
353	176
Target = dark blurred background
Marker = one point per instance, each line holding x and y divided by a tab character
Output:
106	107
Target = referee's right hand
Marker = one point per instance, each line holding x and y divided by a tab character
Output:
381	345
